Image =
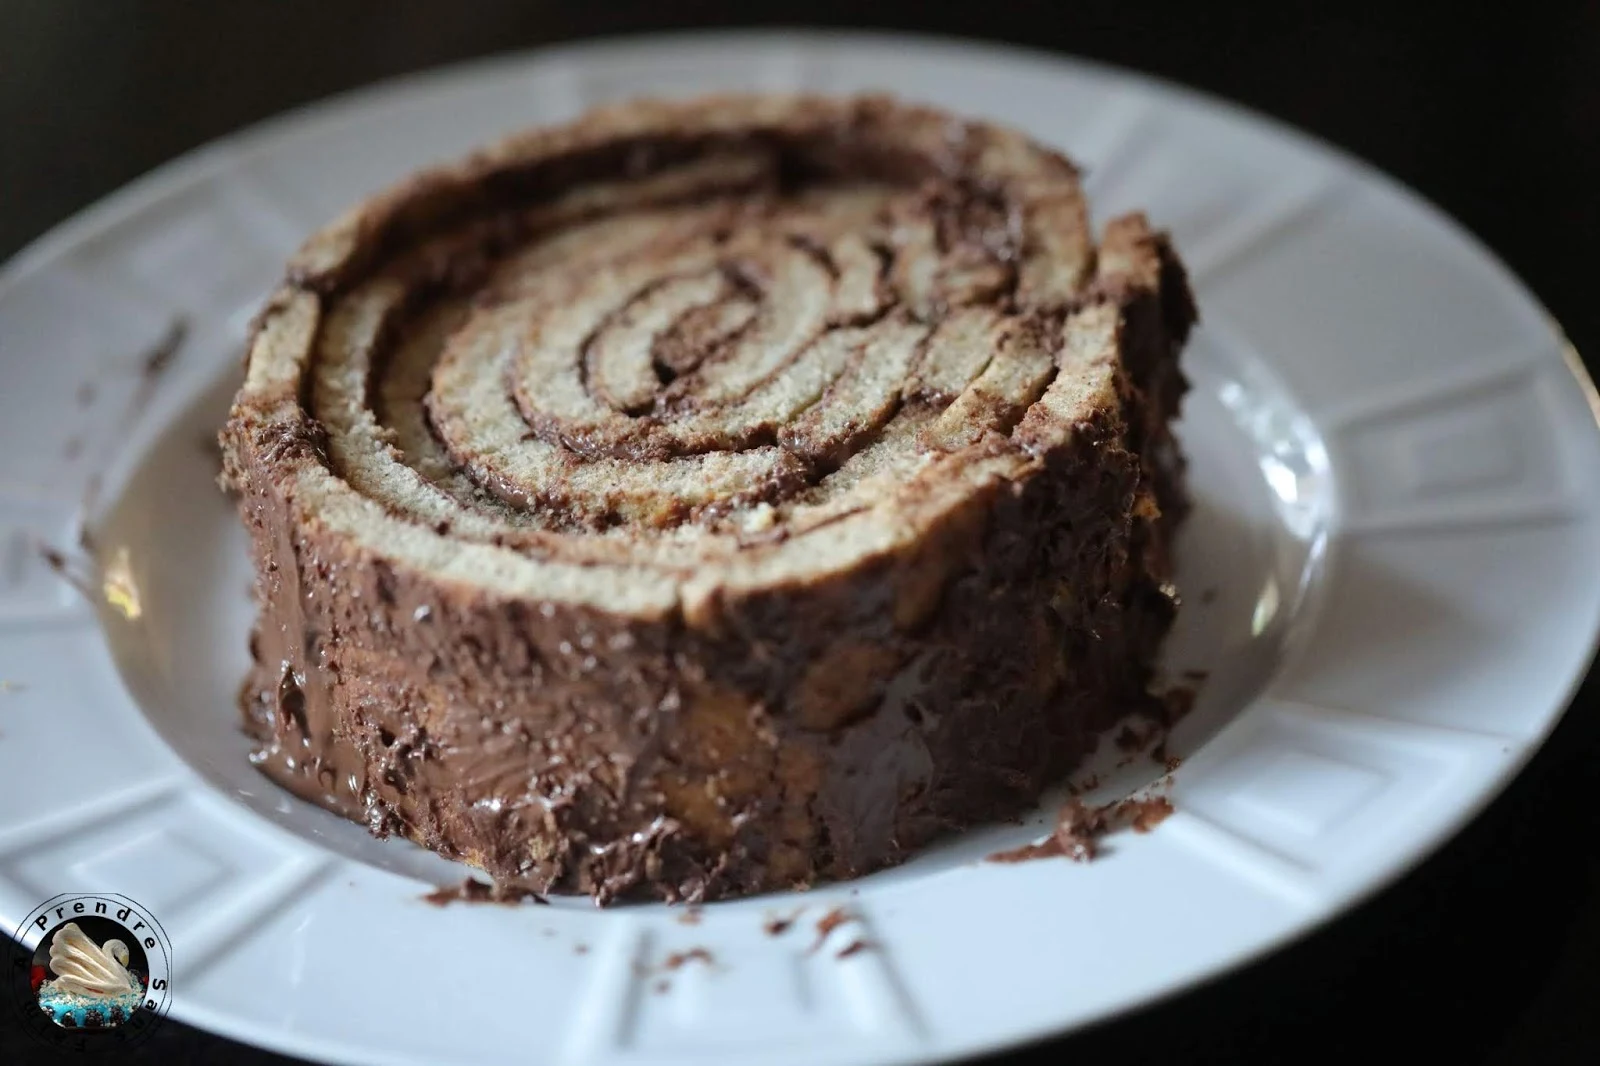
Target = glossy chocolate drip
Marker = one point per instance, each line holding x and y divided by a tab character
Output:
704	499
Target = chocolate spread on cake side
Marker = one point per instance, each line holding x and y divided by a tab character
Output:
705	499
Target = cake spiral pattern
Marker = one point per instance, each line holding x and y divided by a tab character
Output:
709	497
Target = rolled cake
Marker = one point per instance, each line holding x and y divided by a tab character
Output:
706	498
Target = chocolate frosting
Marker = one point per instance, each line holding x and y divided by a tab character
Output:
706	498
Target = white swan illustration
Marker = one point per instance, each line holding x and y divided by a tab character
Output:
86	970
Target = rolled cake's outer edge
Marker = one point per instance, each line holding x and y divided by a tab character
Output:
699	739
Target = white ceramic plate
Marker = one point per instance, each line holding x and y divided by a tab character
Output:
1390	576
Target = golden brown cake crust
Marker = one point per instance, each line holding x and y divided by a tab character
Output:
709	497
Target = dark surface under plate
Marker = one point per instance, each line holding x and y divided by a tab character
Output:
1488	953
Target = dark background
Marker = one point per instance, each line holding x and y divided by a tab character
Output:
1490	952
